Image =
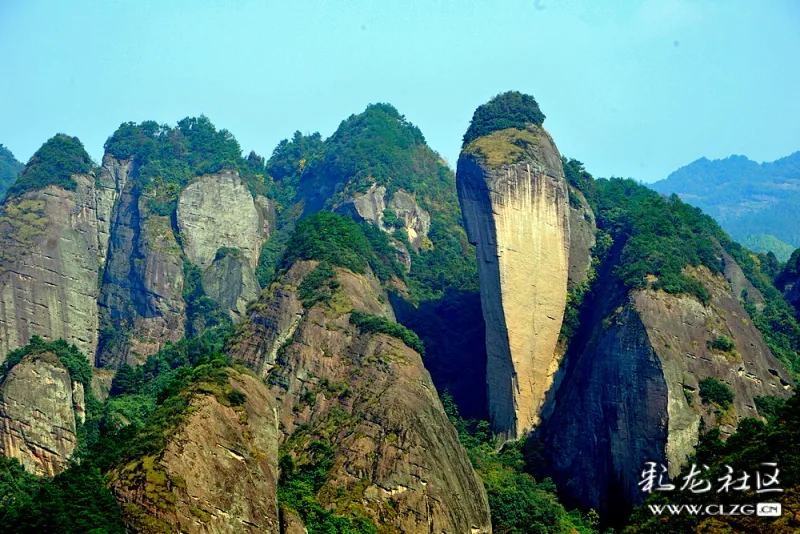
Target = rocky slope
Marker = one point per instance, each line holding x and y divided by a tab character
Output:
516	210
654	348
397	457
40	407
218	472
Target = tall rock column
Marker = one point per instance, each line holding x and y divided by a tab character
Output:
515	202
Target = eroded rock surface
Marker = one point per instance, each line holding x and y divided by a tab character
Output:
398	458
218	473
51	243
39	409
631	394
218	211
515	202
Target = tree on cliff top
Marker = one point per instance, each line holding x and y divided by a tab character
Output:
53	164
506	110
9	169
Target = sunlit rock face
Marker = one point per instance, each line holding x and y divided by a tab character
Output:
515	202
39	409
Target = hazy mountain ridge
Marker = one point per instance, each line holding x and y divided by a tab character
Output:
750	200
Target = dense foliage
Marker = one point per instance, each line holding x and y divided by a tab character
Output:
298	487
340	241
519	503
506	110
53	164
378	146
373	324
169	157
716	391
9	169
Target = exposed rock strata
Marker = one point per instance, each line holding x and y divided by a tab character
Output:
218	473
397	456
516	212
39	409
50	253
631	393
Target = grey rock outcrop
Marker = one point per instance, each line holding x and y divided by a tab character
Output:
39	409
631	393
514	198
218	211
51	243
370	396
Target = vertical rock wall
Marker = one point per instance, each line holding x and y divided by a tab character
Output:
515	206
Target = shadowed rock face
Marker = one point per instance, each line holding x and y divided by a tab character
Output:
631	393
514	198
218	473
39	406
369	395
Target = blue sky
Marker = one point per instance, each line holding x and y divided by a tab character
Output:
635	88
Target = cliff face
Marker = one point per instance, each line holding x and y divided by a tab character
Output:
50	253
397	457
631	393
39	408
514	198
141	303
219	227
218	473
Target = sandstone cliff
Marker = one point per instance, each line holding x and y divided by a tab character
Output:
140	300
630	394
39	409
218	473
50	253
397	457
514	198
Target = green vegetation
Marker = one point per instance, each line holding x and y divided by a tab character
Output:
76	501
299	484
506	110
722	344
9	169
340	241
716	391
378	146
202	312
519	503
53	164
169	158
767	243
373	324
755	203
318	285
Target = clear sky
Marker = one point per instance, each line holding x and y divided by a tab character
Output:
634	88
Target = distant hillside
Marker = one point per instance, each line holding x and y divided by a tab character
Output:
755	203
9	169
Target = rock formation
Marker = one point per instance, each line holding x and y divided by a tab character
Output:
218	211
50	253
515	202
398	458
630	394
39	409
218	473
